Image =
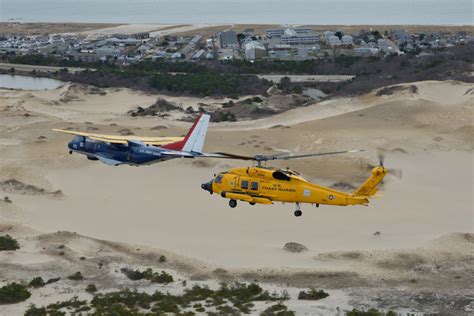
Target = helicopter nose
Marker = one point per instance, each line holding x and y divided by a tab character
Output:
207	186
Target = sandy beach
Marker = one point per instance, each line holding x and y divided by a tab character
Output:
419	228
205	29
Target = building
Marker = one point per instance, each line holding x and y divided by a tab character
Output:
254	50
401	35
365	51
228	39
292	37
279	32
85	55
110	51
334	40
347	40
274	32
195	40
327	35
199	54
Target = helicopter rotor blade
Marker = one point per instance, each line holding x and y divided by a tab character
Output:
288	157
283	156
396	172
381	158
229	156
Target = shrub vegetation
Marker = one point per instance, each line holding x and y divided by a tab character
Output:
76	276
91	288
8	243
149	275
37	282
370	312
277	310
312	294
13	293
228	300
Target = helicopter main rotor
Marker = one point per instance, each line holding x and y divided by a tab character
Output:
285	156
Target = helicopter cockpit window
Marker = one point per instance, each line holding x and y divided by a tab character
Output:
218	179
244	184
281	176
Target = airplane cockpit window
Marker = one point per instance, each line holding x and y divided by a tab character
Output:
279	175
77	138
218	179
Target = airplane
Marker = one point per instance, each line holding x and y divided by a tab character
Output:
265	185
135	150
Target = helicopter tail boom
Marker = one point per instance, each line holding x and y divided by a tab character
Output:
369	187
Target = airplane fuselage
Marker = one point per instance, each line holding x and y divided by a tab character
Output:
131	155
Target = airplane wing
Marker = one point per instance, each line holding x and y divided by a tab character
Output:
109	161
119	139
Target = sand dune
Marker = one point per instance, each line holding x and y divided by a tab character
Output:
416	238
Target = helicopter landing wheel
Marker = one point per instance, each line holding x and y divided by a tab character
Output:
298	212
232	203
252	203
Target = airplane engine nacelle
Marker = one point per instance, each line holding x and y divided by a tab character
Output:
92	158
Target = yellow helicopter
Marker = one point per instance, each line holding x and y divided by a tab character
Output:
265	185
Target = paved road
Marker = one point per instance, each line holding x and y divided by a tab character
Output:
23	67
306	78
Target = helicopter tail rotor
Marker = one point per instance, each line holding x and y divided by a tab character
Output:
396	172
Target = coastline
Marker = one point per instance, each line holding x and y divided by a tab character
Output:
31	28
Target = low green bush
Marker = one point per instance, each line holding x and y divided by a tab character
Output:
370	312
13	293
149	275
36	311
76	276
277	310
8	243
312	294
232	299
91	288
37	282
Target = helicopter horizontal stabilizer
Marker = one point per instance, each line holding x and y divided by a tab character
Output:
369	187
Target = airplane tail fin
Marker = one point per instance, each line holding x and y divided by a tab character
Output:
194	139
369	187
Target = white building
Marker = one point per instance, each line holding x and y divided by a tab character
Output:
365	51
292	37
328	34
347	40
334	40
254	50
382	44
199	54
280	31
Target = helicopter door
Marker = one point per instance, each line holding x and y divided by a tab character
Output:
233	181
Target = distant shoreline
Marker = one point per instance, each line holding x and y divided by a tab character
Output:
38	28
